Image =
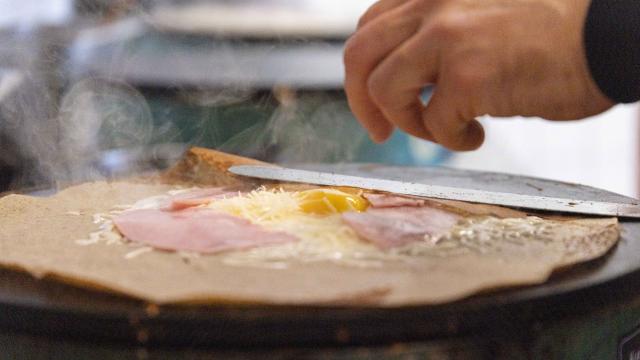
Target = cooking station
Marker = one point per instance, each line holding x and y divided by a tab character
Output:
588	311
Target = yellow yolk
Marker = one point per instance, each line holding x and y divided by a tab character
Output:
329	201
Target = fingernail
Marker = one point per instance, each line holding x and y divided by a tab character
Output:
380	138
376	139
474	135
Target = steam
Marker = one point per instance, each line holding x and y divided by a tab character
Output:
26	106
93	128
312	127
96	116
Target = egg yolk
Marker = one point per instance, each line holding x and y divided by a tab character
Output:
328	201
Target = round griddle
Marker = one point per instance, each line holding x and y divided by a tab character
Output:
47	309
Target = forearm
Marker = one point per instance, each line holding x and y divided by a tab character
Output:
612	42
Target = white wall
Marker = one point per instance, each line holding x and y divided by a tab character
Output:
601	151
26	13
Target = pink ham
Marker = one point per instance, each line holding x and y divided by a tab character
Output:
397	226
196	198
387	201
199	229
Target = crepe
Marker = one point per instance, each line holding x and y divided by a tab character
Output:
40	236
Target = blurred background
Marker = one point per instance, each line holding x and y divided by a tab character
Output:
100	88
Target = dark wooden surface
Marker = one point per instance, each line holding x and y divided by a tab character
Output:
52	310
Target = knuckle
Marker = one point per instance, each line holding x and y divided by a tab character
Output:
468	77
364	19
378	89
368	15
388	78
354	53
419	6
449	27
399	59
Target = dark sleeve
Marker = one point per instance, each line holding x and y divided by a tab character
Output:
612	43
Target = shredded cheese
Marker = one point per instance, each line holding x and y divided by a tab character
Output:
138	252
324	237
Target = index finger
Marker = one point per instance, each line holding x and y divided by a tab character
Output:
366	48
398	82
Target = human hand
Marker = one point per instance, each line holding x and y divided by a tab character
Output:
486	57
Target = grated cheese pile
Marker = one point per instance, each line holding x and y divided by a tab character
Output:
322	237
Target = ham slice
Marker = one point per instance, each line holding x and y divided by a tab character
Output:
197	229
195	198
387	201
397	226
